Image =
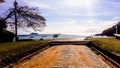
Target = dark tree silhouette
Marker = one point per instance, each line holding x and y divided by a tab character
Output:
1	1
23	16
3	24
55	36
5	36
27	17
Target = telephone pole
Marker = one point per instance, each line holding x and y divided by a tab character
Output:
15	10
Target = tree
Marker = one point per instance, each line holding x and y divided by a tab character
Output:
23	16
3	24
1	1
5	36
55	35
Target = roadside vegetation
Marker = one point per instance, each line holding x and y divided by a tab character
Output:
109	44
14	48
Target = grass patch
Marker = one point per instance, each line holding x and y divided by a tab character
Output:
109	44
13	48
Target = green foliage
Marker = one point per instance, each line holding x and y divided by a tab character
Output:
109	44
13	48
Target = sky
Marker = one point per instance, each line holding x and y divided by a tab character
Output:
79	17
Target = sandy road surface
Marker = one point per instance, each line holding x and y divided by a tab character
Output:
64	56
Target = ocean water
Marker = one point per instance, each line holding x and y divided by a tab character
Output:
50	37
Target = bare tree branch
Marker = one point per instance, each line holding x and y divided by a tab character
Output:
27	17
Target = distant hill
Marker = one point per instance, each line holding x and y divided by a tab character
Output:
110	31
34	34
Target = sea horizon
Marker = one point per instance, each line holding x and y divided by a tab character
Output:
36	36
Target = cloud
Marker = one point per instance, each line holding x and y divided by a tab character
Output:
84	14
116	18
77	4
65	27
37	4
98	25
74	16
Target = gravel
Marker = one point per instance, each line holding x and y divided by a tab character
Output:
64	56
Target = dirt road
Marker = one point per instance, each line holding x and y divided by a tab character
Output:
64	56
